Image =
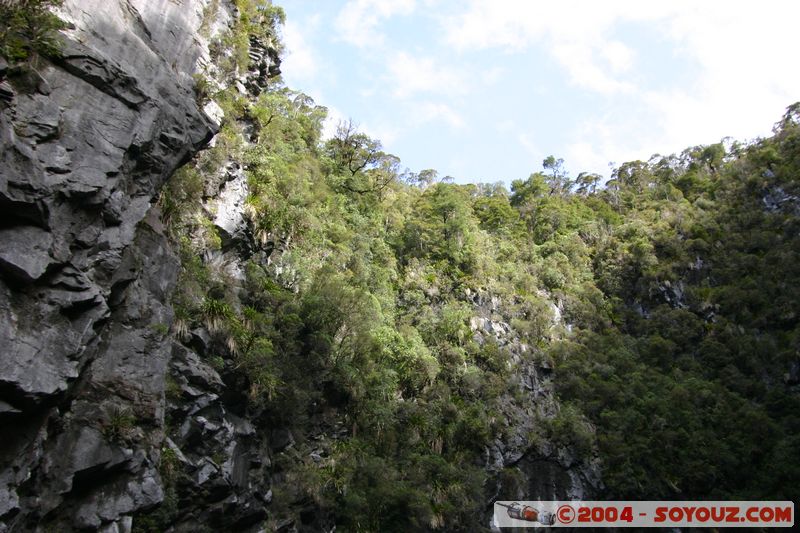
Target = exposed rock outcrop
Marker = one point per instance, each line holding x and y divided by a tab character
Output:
86	142
264	64
538	468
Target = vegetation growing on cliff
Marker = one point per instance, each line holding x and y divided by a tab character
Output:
674	331
28	29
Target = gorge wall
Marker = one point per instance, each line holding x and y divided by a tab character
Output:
87	142
101	402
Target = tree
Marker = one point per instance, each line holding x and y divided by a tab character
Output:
294	114
587	182
493	208
443	227
424	179
558	180
359	162
634	175
28	29
523	192
791	119
612	192
352	151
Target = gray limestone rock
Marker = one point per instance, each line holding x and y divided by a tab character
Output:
38	117
86	274
25	254
544	471
229	208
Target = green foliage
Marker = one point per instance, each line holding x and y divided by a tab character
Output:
28	29
181	194
357	164
168	467
118	423
209	14
203	88
443	229
568	428
160	329
663	301
494	210
699	318
256	19
172	389
215	314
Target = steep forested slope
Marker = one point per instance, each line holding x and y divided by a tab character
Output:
664	302
692	380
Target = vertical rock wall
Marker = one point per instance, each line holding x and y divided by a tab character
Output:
522	464
86	143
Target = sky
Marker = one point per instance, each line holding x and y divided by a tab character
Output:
484	90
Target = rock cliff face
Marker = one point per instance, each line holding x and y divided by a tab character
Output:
524	464
85	145
100	404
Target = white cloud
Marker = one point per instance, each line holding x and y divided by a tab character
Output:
642	77
745	52
429	111
517	24
526	142
410	75
619	56
585	155
358	21
574	33
596	142
334	118
382	132
741	55
300	58
505	125
581	63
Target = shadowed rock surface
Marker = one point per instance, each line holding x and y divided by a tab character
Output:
86	270
112	421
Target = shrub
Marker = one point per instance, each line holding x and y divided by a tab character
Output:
28	29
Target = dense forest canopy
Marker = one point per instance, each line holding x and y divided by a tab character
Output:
665	300
675	353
